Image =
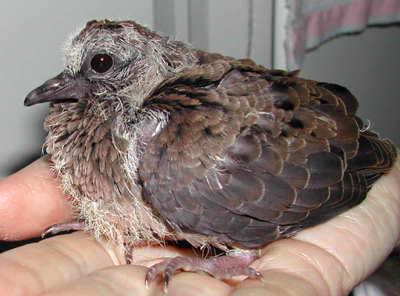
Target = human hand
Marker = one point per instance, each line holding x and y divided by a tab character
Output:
328	259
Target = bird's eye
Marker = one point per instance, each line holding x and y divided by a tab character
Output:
101	63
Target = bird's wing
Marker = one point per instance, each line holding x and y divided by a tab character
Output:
249	153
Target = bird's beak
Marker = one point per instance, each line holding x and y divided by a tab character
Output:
61	88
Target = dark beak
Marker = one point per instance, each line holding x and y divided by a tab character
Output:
61	88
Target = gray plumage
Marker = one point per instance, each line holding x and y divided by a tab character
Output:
157	141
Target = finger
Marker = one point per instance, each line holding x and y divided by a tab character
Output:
35	269
281	282
334	257
30	201
75	264
295	267
128	279
364	236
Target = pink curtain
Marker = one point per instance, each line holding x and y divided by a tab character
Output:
312	22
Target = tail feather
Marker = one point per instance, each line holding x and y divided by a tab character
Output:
374	157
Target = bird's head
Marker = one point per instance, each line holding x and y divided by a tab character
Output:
114	58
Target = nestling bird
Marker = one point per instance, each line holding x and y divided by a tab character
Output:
156	141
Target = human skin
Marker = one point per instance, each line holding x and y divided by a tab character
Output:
328	259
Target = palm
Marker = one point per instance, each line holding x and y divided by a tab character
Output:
329	259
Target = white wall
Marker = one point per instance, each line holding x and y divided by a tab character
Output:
238	28
368	64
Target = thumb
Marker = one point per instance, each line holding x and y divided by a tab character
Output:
30	201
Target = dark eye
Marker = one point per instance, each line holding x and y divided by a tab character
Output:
101	63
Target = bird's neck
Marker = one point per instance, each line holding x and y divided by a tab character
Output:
96	149
85	145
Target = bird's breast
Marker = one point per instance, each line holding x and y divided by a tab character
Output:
86	149
96	157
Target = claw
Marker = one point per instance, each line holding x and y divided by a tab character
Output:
166	281
255	274
167	268
150	275
57	228
155	270
129	258
233	264
48	230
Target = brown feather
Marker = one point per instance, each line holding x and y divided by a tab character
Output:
176	143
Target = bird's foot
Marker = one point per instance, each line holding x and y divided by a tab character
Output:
57	228
233	264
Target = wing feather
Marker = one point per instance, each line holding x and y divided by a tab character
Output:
250	155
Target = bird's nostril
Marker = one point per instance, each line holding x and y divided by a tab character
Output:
50	84
56	89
